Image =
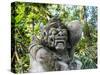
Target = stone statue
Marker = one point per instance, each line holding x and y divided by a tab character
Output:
54	51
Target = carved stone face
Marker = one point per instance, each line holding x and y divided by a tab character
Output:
57	38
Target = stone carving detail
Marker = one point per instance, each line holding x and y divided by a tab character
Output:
54	51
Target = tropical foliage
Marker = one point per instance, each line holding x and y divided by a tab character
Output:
27	18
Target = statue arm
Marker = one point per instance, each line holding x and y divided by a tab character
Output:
74	35
75	31
48	60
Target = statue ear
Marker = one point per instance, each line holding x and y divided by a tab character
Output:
44	33
74	32
44	38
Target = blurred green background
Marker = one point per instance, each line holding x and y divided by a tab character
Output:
26	19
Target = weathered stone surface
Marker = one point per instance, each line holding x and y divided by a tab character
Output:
54	51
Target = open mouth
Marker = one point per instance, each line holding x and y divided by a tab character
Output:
60	44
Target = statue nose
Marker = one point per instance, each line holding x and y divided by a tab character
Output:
60	33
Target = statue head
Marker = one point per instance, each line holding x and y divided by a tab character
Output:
55	34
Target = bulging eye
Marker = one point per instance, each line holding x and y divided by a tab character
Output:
64	31
54	32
